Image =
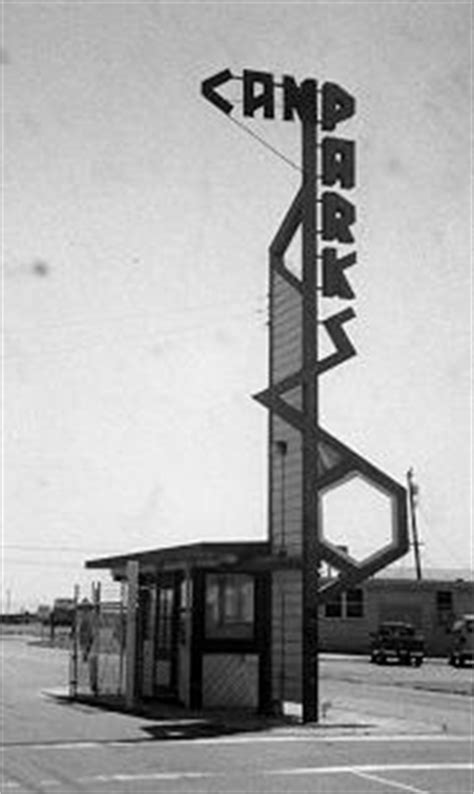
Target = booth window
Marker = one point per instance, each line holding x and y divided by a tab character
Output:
146	611
229	606
165	618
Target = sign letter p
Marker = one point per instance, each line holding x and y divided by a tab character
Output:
338	105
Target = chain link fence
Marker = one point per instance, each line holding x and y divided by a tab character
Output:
97	661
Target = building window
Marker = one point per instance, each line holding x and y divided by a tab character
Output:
444	606
333	608
355	603
349	604
229	606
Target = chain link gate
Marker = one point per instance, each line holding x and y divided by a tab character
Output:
97	660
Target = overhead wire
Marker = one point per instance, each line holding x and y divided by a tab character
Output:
265	144
80	323
432	537
74	549
154	337
38	563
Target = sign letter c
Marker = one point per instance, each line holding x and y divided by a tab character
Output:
208	90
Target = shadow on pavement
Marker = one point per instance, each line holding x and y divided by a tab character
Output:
172	722
205	729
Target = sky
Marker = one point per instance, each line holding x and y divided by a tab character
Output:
136	223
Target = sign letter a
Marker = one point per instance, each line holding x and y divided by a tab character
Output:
265	99
338	162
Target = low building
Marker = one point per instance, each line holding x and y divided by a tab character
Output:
431	605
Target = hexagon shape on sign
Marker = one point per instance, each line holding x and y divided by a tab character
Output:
335	461
357	516
348	470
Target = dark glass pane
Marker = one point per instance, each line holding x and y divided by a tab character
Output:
229	606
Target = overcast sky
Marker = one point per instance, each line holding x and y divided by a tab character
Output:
137	222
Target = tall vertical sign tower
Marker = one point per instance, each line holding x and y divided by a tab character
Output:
305	461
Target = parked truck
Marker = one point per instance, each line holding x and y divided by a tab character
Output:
462	641
397	641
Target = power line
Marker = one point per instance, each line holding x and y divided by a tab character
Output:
74	549
435	538
153	337
86	322
265	144
39	564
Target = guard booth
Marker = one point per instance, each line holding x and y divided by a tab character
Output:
198	624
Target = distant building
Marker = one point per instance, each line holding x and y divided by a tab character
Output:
431	605
43	613
62	613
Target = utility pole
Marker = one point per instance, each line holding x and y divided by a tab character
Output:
412	495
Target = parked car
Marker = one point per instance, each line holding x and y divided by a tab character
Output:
43	613
397	641
462	641
63	612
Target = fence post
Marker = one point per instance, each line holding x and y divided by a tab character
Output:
122	618
95	657
131	636
74	647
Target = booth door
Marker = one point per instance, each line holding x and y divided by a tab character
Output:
167	630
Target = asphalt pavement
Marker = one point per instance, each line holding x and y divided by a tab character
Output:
379	734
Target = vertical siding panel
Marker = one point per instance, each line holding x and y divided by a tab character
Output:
285	497
287	635
286	492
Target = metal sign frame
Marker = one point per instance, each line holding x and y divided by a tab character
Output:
317	108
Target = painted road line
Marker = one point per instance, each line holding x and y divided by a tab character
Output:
135	778
367	771
328	737
369	768
54	745
247	739
395	784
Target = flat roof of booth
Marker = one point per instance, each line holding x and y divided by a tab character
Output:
204	554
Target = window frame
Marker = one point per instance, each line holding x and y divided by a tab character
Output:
342	605
231	611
